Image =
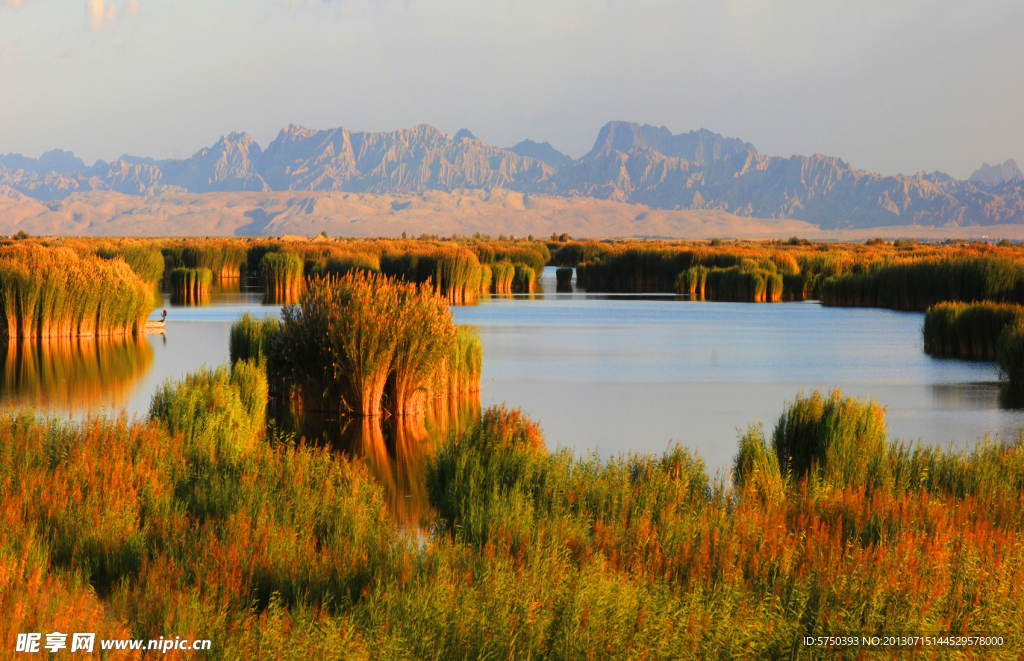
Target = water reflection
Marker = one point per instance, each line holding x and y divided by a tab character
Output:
220	290
984	396
394	449
281	297
73	375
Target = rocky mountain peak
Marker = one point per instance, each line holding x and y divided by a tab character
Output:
993	175
542	151
702	147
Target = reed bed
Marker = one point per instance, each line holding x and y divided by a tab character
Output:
502	274
840	440
532	254
1010	351
574	254
366	343
459	375
454	273
920	284
485	278
182	526
340	264
692	281
909	275
523	279
281	273
59	293
190	286
563	279
143	258
226	259
967	330
250	338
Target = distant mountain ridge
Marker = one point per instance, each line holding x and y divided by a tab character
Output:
629	163
993	175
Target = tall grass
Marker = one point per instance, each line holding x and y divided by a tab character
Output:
1010	351
523	279
531	254
962	330
353	340
455	273
920	284
57	292
226	259
281	273
221	413
563	279
280	550
502	274
250	338
339	265
841	440
190	286
485	278
144	258
692	281
426	338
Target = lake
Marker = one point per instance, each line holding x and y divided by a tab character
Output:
604	373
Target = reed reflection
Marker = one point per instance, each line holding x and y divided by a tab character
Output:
73	374
394	449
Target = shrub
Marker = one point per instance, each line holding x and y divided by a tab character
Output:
841	440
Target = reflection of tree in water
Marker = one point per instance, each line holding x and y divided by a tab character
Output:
73	375
395	449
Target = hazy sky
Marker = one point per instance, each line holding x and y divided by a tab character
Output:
889	85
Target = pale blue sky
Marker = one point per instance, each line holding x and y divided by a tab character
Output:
890	86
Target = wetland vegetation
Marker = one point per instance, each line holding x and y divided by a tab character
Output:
212	518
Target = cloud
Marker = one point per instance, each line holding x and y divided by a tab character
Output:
13	3
133	7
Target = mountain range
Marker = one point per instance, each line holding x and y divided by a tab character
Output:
647	167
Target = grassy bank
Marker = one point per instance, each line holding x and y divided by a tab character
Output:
199	524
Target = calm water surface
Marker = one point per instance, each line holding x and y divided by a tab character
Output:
605	373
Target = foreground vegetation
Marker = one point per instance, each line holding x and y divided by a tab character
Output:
203	522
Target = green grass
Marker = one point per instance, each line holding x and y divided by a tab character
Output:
250	338
839	440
